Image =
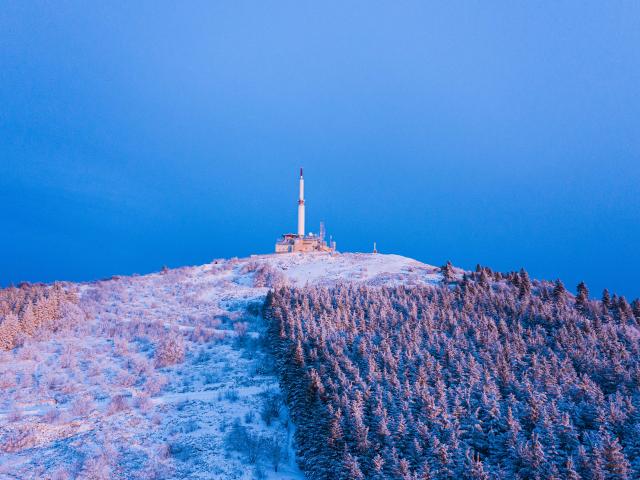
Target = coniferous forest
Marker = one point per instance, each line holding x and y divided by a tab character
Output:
490	376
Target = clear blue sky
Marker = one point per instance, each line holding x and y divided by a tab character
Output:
151	133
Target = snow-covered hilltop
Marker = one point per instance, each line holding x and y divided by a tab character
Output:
167	376
371	269
327	269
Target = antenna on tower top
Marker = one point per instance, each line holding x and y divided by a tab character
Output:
300	171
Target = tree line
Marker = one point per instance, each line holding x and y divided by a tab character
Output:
35	309
486	376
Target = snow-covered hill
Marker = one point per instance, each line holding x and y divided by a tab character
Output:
325	269
116	398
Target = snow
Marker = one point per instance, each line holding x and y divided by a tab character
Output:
91	402
326	269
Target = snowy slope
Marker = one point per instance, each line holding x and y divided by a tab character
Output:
325	269
93	403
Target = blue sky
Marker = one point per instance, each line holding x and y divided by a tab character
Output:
504	133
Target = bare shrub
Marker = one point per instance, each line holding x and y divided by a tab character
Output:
144	403
154	384
249	445
231	394
271	405
203	357
182	451
254	308
125	379
14	416
170	350
29	352
95	370
54	382
118	403
273	449
70	316
249	416
51	416
139	365
240	329
210	377
96	468
7	380
97	293
25	379
263	365
18	439
250	267
82	407
120	346
263	275
68	358
213	322
116	330
201	334
62	473
163	451
67	387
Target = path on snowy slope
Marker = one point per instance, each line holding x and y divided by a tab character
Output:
98	407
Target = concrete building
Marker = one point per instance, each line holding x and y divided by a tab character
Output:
302	242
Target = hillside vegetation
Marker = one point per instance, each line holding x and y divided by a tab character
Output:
162	376
31	310
388	368
491	377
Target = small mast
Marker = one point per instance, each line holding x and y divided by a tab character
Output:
301	207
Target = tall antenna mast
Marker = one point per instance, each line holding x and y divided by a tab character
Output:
301	207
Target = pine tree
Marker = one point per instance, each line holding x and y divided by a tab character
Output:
378	465
623	310
29	320
383	430
635	307
404	380
404	469
584	463
595	468
299	355
525	284
351	467
475	468
336	435
615	463
582	297
9	331
559	290
536	457
567	436
606	298
425	471
582	290
570	471
448	274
